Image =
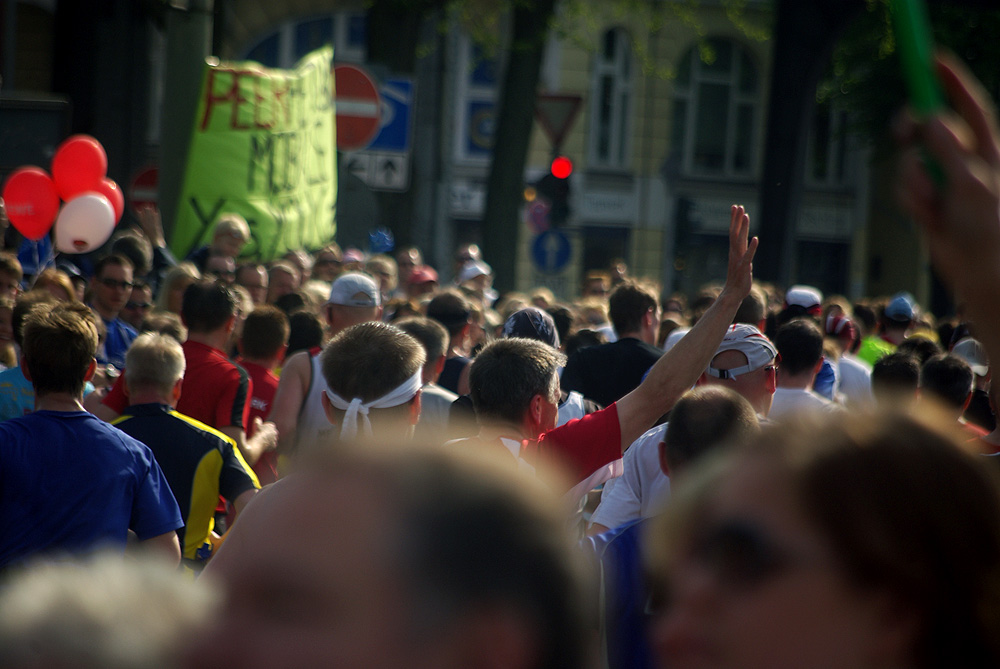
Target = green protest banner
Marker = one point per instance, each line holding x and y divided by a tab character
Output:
263	147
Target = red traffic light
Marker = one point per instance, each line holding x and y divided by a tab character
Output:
561	167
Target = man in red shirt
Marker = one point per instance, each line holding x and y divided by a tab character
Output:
262	348
215	391
515	389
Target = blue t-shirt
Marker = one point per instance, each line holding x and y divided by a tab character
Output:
120	337
625	619
70	482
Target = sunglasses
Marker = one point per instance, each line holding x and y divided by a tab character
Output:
138	305
115	283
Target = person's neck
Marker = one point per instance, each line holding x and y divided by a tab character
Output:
149	397
497	431
59	402
796	381
217	339
634	334
266	363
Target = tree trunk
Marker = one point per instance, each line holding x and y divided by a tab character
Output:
530	29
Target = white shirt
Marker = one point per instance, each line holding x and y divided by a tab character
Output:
856	381
642	489
789	402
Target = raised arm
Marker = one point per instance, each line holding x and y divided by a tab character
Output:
960	214
681	366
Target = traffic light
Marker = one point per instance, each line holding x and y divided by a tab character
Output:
554	187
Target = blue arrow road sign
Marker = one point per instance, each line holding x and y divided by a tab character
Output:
551	251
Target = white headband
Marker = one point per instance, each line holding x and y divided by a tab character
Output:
399	395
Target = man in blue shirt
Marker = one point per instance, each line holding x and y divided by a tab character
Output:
69	482
110	289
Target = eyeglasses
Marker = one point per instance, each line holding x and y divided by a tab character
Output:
138	305
742	555
115	283
738	371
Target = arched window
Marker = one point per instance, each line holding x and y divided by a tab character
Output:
611	102
716	111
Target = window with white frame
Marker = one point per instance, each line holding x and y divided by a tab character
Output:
611	102
283	47
716	111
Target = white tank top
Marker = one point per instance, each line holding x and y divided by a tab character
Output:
314	429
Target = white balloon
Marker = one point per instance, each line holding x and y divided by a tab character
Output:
84	223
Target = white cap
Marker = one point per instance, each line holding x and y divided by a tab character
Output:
354	289
472	269
749	341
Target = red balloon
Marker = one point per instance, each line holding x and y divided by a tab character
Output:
79	165
31	200
111	190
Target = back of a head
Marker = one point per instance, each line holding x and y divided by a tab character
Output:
207	306
475	535
800	344
752	309
136	248
265	332
532	323
704	419
154	362
60	342
895	377
167	323
948	379
305	332
24	305
628	303
507	373
368	360
431	334
921	348
451	309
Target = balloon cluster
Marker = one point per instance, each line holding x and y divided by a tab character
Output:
93	203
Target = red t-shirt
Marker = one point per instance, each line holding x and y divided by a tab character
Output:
215	391
265	384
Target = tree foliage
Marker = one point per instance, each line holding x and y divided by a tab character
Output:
865	75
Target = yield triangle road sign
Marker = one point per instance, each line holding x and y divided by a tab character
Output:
556	114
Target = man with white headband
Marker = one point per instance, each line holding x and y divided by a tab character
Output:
373	374
296	410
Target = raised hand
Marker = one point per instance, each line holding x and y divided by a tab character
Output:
739	273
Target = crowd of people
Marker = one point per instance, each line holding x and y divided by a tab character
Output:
337	459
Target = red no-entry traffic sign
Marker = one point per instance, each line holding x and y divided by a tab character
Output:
359	108
143	191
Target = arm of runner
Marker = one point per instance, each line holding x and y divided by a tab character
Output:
265	438
288	398
167	545
680	367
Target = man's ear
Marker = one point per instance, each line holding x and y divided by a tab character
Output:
24	368
702	380
664	465
535	409
176	392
